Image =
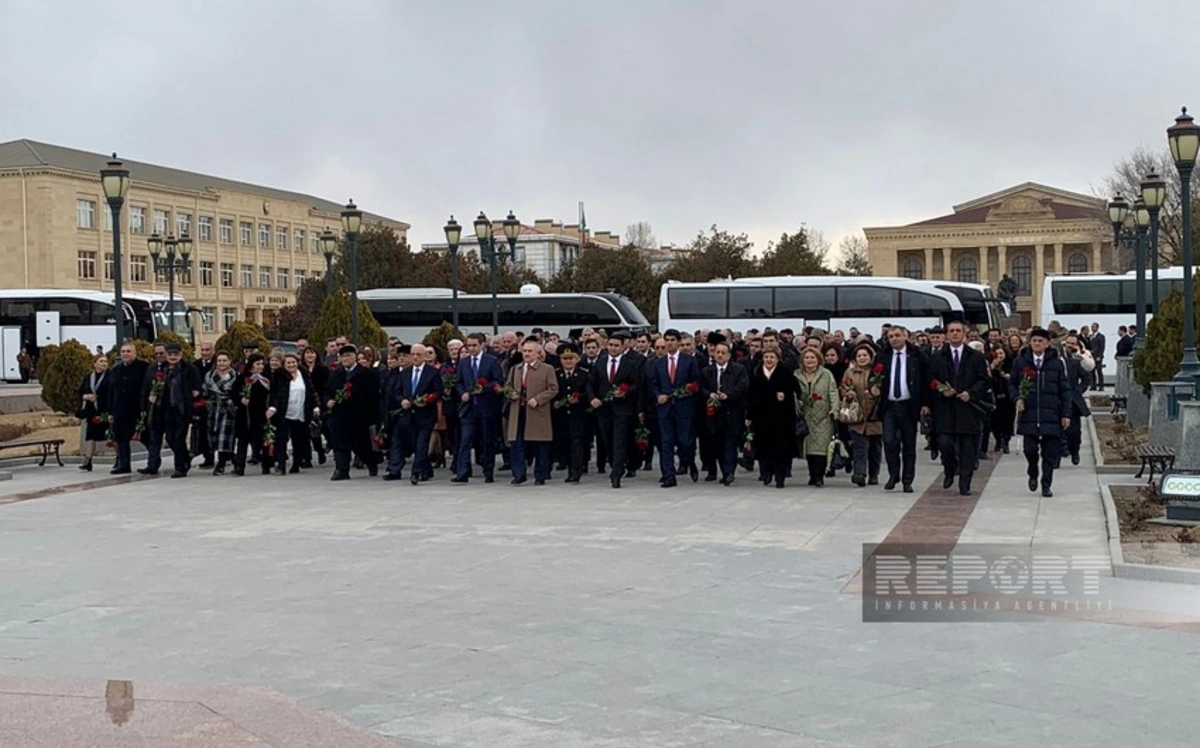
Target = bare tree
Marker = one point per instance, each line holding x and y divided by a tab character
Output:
853	256
1126	181
640	235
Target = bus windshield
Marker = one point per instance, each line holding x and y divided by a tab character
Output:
163	317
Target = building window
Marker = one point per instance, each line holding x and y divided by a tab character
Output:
228	317
298	240
160	222
137	219
183	224
518	257
264	277
281	278
209	318
226	275
247	276
247	233
264	236
281	233
316	242
206	273
913	269
299	277
206	228
107	219
226	228
85	215
968	270
137	268
1022	273
1077	263
108	266
87	265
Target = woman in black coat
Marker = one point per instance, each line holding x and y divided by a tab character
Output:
318	375
252	399
1000	369
95	392
772	414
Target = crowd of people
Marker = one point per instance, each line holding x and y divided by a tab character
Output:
704	403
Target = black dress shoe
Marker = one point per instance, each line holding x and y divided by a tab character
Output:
669	483
458	480
539	482
293	469
964	491
908	488
727	480
631	473
339	475
572	479
489	479
206	464
392	476
1046	492
1033	483
616	482
947	481
517	481
147	471
891	484
1075	459
710	478
694	472
819	484
859	480
179	474
414	480
253	461
873	481
120	471
219	470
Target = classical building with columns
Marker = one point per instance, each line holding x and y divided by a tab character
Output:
1027	232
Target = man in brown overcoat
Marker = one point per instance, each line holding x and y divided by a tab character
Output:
532	387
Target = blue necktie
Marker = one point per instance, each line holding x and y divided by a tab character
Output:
474	368
416	376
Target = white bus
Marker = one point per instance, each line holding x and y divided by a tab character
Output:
825	302
34	318
1108	299
410	313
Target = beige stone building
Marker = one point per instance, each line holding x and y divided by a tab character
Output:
1027	232
252	245
545	247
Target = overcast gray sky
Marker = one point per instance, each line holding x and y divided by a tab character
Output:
754	115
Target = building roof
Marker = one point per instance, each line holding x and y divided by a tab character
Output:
24	153
1022	201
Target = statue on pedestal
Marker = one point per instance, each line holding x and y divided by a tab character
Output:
1006	290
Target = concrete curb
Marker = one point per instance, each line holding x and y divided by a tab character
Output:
1098	454
1142	572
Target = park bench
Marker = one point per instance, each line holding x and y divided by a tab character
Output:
1119	403
1156	458
48	447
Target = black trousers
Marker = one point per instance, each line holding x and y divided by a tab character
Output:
1073	435
1050	449
176	432
959	453
354	438
616	432
296	434
866	451
250	440
570	441
900	444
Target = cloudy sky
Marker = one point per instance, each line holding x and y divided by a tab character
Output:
755	115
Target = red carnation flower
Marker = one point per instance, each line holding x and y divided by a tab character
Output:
1030	372
878	369
935	385
624	388
693	388
816	396
160	375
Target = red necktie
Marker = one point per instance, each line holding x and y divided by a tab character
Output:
612	370
671	369
524	376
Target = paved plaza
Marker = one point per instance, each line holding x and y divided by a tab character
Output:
490	615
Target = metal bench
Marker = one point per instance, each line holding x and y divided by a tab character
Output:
1119	403
1156	458
48	447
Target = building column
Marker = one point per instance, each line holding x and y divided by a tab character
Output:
1096	264
983	265
1039	275
928	274
946	268
1001	260
1058	258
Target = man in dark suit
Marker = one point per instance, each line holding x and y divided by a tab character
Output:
614	385
570	413
125	405
592	357
479	379
152	439
729	383
200	445
1126	341
1097	344
172	406
674	383
419	389
961	375
352	398
904	399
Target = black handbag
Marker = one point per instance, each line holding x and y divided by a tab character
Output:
801	427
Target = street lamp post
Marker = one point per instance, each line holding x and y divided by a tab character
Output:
1154	193
1125	237
328	248
1141	222
1184	139
492	256
351	223
453	235
114	178
175	260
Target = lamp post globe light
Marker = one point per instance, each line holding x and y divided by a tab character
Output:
1184	139
171	257
114	178
329	242
351	224
453	236
1154	194
492	256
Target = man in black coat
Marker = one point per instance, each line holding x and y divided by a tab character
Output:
728	383
420	389
1078	380
152	439
904	399
570	418
614	384
1097	344
125	404
171	408
1042	393
352	398
204	364
959	385
1126	341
